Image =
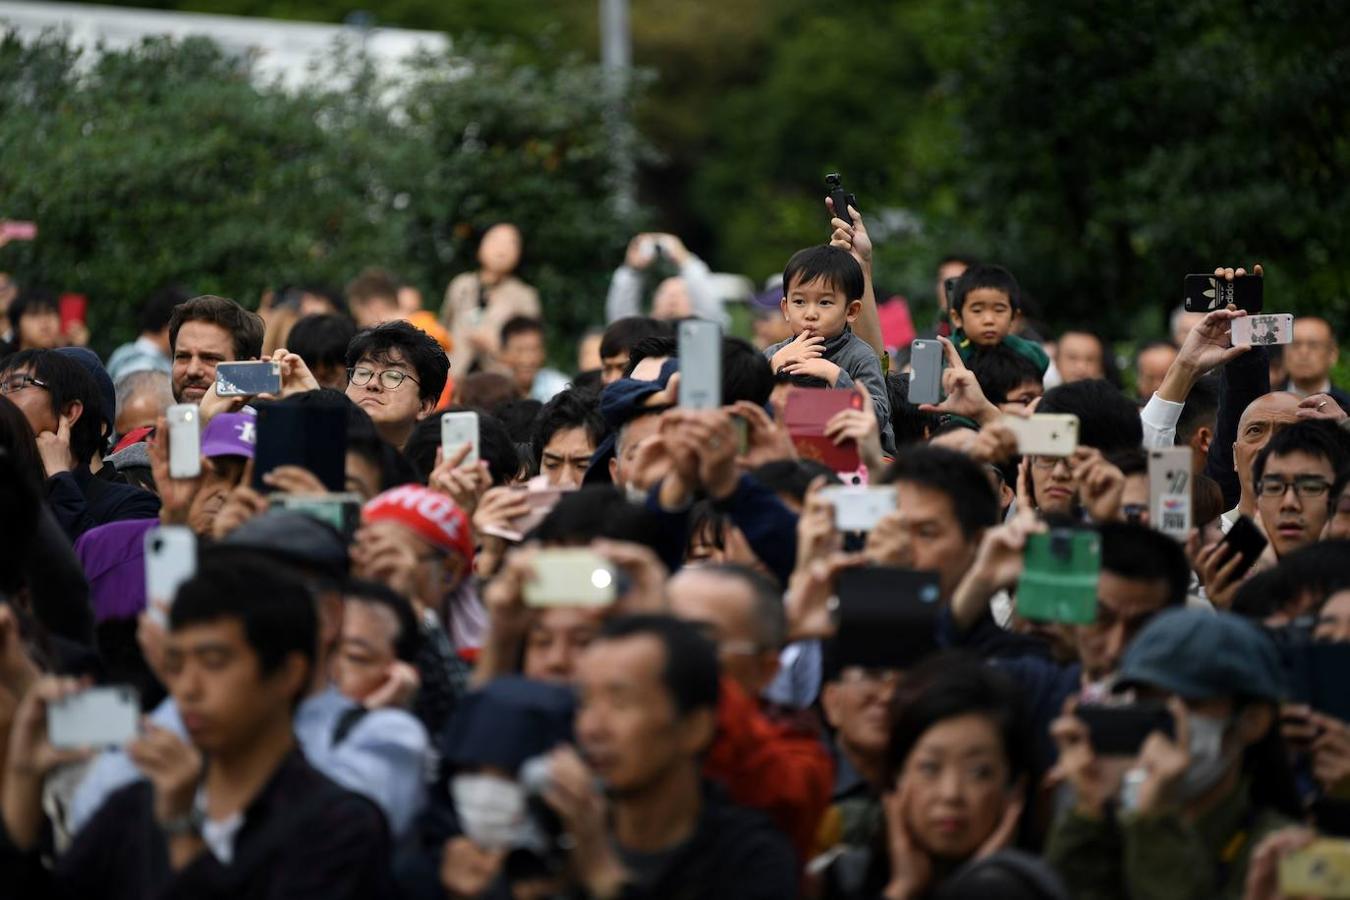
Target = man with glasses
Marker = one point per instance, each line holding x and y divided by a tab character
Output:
396	373
1296	479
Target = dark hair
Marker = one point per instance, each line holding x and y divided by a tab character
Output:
963	480
568	409
29	301
1107	420
599	511
1201	410
793	476
770	618
408	641
371	284
1315	438
652	346
158	308
591	382
834	266
994	278
1154	344
910	424
518	416
950	685
321	340
805	381
1206	498
272	604
746	374
1139	553
66	381
244	328
1000	370
965	259
1129	460
1321	569
690	672
17	440
521	325
494	447
417	349
622	335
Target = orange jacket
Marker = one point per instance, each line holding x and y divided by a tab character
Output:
781	771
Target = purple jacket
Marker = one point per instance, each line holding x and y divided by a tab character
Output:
113	557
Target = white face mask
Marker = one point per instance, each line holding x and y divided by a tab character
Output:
491	810
1209	763
635	494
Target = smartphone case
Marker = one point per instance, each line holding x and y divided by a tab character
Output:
925	377
1169	491
170	553
106	716
1044	434
700	352
887	616
456	429
73	309
1059	576
1206	292
1321	869
342	511
1246	539
312	437
1263	331
805	415
248	379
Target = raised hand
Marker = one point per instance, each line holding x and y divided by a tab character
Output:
964	397
849	233
54	448
175	494
803	347
860	426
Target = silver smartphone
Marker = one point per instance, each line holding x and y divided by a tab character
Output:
1264	330
458	429
925	372
248	379
1044	434
1169	491
170	560
571	577
859	507
700	351
97	717
185	440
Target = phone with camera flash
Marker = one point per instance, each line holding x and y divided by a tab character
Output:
1044	434
571	577
170	560
925	375
700	352
185	440
1169	491
97	717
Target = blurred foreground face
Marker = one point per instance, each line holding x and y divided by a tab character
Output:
1079	357
588	353
366	650
956	784
1124	607
626	723
936	541
556	639
1309	357
1153	365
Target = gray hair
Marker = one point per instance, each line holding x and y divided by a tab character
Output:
143	382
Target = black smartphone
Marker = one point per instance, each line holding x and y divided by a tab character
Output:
841	199
1122	730
312	437
887	617
1204	293
1245	539
1318	674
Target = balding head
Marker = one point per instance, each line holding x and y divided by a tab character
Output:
742	609
1263	417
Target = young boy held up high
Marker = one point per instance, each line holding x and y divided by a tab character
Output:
822	296
985	305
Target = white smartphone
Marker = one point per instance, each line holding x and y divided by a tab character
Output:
98	717
859	507
1169	491
571	577
170	560
1044	434
458	429
925	372
1264	330
185	440
700	351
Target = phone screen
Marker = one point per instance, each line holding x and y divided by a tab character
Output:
248	379
98	717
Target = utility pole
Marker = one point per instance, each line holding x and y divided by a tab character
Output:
616	56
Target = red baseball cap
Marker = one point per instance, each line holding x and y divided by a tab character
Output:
433	516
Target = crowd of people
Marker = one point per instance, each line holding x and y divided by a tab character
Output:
745	693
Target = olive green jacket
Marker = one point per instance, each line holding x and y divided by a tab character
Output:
1161	857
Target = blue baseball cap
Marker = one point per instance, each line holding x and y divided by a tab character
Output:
90	362
1201	655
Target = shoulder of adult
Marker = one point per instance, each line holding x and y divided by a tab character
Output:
387	726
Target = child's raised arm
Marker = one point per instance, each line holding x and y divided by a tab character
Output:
853	238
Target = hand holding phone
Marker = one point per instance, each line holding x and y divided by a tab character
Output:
700	352
571	577
185	440
1319	869
458	429
925	375
1044	434
1263	331
859	507
1207	292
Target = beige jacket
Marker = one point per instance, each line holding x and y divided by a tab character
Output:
462	314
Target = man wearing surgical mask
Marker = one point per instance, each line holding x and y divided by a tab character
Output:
1182	817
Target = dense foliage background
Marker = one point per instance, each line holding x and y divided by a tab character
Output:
1100	148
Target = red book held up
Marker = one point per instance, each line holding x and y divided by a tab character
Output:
806	413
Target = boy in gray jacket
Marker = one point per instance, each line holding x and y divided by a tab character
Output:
822	297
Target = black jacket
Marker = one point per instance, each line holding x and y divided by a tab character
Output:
302	837
80	500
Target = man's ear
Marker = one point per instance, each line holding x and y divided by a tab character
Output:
954	315
73	410
293	676
700	727
829	704
853	311
614	469
1253	722
1202	438
427	408
1235	463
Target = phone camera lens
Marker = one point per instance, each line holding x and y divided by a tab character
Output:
158	545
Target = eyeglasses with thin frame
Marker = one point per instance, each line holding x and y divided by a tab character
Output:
390	379
1305	486
16	383
1049	462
